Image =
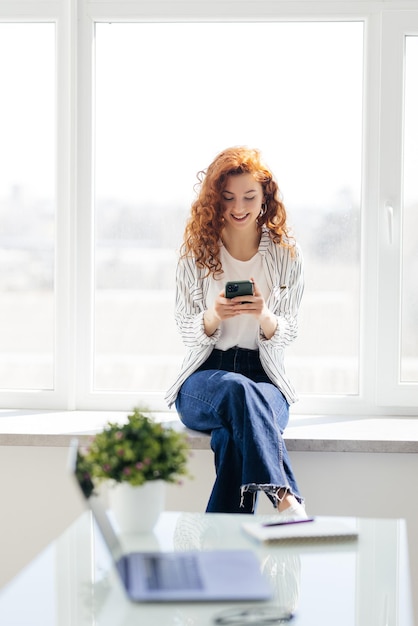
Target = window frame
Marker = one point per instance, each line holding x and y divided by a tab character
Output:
75	20
62	15
390	390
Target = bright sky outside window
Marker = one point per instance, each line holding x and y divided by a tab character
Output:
27	205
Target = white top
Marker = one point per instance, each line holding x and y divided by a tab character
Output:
241	331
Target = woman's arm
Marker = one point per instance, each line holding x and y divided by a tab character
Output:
286	294
190	309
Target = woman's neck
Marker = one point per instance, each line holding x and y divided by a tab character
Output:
241	246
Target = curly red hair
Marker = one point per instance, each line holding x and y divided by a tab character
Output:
203	229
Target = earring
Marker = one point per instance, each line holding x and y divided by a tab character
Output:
262	211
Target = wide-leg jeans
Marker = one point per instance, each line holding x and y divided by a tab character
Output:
231	397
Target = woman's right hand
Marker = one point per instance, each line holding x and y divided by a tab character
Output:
222	309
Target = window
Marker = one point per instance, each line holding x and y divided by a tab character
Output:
110	143
159	120
397	337
27	205
409	300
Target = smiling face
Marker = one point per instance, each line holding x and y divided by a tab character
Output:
242	198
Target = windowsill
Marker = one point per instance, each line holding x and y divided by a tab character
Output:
305	433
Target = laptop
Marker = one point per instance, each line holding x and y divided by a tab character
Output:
205	576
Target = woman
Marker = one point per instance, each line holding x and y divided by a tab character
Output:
232	382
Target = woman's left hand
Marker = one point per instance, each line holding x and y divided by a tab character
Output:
256	305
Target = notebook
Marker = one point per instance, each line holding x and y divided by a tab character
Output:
215	575
311	529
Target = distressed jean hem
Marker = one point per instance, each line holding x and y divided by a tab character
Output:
270	490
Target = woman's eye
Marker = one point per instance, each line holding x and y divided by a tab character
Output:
225	199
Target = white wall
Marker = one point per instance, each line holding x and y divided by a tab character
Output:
39	500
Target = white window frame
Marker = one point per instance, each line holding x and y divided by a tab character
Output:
391	391
62	14
75	19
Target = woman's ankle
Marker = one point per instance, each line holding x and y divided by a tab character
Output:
285	500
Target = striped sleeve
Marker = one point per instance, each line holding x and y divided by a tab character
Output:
190	306
285	272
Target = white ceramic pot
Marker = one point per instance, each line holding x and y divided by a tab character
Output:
137	509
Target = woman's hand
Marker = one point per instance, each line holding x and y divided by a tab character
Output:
223	309
256	305
226	308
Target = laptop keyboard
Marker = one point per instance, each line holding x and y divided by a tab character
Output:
172	572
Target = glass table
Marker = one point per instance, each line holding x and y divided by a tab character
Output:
339	583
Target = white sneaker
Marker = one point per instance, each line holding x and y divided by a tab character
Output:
295	511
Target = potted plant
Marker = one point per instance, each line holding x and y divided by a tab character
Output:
136	458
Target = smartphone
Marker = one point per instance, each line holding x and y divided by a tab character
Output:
236	288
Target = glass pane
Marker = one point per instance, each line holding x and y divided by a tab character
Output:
162	116
27	205
409	333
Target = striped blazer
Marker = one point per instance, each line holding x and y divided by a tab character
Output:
284	274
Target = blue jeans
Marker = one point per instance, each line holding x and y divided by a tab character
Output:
231	397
